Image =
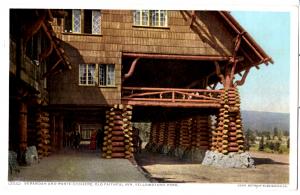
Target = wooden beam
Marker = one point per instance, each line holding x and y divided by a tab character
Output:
176	57
238	31
171	104
170	89
237	43
46	52
233	69
46	74
193	17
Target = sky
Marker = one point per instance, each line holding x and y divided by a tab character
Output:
267	89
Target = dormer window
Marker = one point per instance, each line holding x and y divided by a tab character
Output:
83	21
154	18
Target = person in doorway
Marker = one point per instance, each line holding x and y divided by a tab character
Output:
77	139
100	138
93	141
137	141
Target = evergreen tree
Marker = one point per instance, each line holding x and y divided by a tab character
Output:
261	145
276	146
275	132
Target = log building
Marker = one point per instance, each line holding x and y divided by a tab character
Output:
87	69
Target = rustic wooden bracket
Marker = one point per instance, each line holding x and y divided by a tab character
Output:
132	68
52	68
242	81
233	69
237	43
46	52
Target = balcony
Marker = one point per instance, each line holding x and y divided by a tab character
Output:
171	97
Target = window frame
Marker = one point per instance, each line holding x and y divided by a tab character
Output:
107	75
97	75
82	23
86	75
150	23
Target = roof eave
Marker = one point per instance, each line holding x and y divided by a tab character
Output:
233	23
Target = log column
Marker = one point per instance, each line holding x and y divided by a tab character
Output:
161	136
184	145
118	132
171	136
42	123
200	132
185	133
22	124
212	134
229	134
236	138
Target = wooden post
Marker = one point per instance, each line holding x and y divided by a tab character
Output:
53	132
23	126
60	132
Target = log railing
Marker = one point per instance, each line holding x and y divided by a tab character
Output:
171	97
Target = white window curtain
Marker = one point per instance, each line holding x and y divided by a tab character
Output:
82	74
91	74
110	74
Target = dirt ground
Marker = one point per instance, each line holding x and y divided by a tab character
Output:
270	168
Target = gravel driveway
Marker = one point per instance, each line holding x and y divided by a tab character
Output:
80	166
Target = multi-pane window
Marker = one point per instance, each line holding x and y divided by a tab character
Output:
87	74
157	18
96	22
76	22
83	21
106	74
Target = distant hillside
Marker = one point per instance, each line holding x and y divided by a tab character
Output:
265	120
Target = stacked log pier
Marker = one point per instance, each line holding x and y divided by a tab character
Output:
153	138
161	136
165	148
185	132
171	136
212	135
44	147
228	137
118	132
184	142
236	138
200	132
